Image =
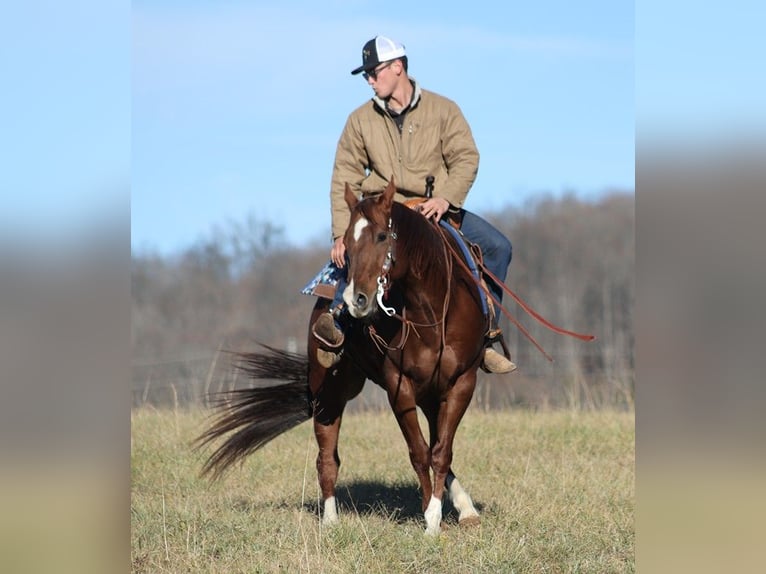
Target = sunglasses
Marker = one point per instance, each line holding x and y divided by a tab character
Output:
374	73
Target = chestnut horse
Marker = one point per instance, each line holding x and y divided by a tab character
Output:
418	333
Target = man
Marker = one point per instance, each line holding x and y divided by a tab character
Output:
410	133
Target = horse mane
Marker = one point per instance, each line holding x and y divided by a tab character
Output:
417	239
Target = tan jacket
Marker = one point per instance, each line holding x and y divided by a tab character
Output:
435	140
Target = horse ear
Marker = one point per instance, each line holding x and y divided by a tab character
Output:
351	198
388	194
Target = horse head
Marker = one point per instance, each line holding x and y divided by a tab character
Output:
370	246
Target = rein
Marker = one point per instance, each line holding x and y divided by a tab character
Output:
522	304
384	285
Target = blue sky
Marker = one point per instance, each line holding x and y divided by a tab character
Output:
187	114
237	106
699	71
64	115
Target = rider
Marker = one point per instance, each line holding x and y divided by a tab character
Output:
411	133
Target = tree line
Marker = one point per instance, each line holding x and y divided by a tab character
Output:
573	263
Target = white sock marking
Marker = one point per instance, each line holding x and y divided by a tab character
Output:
461	500
433	516
330	515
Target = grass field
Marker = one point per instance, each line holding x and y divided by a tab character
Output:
555	491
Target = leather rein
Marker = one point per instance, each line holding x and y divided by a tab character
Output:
515	297
384	285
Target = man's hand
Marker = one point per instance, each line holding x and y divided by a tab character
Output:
338	253
434	208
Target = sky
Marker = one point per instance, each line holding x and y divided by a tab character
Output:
237	107
64	117
190	114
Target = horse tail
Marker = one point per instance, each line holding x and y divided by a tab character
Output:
253	417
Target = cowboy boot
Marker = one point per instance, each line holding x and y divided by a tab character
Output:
493	361
330	336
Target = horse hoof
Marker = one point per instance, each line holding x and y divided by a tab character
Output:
470	522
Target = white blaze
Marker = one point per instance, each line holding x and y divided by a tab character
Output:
360	224
348	296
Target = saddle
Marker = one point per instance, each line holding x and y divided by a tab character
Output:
454	215
451	222
324	283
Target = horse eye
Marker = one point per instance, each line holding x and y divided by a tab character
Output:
382	237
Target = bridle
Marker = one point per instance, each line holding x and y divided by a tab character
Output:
383	283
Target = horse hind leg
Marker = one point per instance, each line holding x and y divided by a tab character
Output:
331	390
467	513
328	464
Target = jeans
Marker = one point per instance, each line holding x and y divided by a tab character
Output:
495	248
340	288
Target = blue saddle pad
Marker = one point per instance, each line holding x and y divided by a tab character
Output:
468	256
324	283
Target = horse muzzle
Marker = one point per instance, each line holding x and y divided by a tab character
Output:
359	303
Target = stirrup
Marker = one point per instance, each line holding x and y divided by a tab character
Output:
496	336
493	335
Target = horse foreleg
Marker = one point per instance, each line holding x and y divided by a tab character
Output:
433	512
450	413
467	513
421	462
406	413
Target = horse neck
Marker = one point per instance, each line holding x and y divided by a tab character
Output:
422	254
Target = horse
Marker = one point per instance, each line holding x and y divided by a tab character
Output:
418	332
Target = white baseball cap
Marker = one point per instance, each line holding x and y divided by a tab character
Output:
378	50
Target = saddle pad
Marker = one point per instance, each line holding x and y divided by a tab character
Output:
323	284
461	241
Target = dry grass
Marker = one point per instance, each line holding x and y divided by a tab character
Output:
555	490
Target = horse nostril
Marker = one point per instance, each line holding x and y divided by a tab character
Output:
361	300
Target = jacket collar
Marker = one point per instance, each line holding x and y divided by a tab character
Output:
414	102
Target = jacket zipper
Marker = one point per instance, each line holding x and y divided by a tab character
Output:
393	129
409	141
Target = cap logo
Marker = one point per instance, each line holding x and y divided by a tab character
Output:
378	50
